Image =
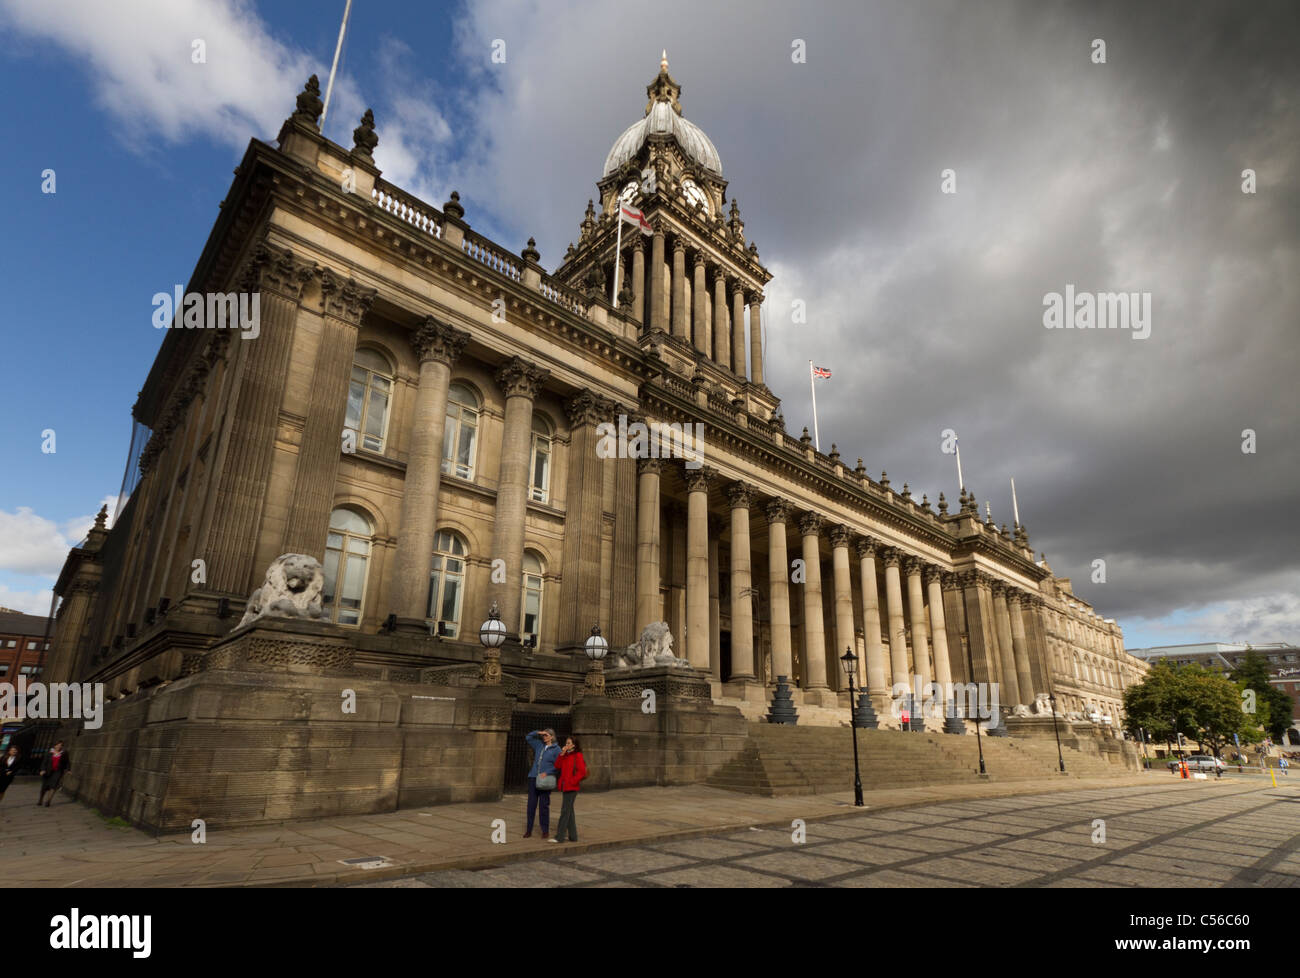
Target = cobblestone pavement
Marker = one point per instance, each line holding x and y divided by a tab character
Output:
1157	835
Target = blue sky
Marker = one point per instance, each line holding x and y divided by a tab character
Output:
1121	176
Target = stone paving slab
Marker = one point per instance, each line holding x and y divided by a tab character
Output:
68	844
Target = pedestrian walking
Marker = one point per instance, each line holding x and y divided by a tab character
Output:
1283	763
8	770
57	763
541	779
572	768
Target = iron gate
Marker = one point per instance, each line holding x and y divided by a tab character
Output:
519	756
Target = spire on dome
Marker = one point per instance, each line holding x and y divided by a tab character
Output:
663	61
663	88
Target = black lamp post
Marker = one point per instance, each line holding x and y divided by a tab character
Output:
1051	699
850	663
979	746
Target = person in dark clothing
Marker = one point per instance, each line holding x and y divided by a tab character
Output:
545	751
8	769
572	769
57	763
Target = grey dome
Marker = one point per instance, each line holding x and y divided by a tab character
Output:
663	120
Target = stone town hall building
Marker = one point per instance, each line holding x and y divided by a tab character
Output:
420	412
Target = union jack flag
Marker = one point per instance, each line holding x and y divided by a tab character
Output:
822	372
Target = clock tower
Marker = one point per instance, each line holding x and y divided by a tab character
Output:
694	286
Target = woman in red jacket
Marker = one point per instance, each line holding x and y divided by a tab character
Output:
572	769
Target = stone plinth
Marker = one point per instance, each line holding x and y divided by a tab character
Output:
1040	727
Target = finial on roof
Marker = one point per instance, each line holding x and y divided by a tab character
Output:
663	61
102	517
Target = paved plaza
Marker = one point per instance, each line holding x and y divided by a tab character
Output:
1162	834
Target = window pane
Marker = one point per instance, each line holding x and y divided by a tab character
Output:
465	452
451	599
330	570
356	391
354	583
358	546
334	541
434	580
376	412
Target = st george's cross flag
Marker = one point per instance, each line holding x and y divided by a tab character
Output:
634	216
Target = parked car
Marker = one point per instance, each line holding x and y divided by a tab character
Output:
1200	762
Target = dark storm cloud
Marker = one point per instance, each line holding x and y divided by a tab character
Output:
1117	176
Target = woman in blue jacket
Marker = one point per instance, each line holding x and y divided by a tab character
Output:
545	752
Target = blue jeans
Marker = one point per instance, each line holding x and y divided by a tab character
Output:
538	800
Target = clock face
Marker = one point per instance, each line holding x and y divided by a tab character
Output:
629	192
694	195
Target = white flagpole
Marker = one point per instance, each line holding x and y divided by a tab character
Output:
618	251
1015	506
961	483
329	86
812	386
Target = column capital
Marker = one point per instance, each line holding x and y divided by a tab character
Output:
697	480
437	341
740	495
913	565
840	535
951	581
892	556
756	298
519	378
586	408
679	246
999	588
933	574
737	289
639	244
1015	596
272	269
700	261
810	524
778	510
866	547
343	298
649	466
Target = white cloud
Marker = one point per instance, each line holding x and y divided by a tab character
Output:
31	602
36	545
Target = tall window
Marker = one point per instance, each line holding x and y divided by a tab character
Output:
447	580
539	488
347	553
532	599
461	438
369	396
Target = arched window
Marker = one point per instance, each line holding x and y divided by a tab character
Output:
532	597
347	554
460	443
369	396
539	487
447	581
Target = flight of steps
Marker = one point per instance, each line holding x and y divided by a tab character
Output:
781	760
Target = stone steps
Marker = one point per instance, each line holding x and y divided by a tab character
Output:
781	760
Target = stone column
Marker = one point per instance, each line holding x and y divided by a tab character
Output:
916	605
638	279
877	671
437	346
1010	690
938	627
584	524
894	611
742	602
697	566
520	381
699	319
679	290
252	422
721	334
658	301
814	627
344	303
715	600
1020	646
845	630
778	579
648	606
738	329
756	341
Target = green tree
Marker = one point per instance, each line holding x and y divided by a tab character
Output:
1272	704
1199	704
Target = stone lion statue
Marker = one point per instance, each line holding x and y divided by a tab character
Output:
1020	710
654	648
1043	705
292	590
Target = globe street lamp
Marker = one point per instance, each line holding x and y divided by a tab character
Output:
597	648
850	662
492	634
